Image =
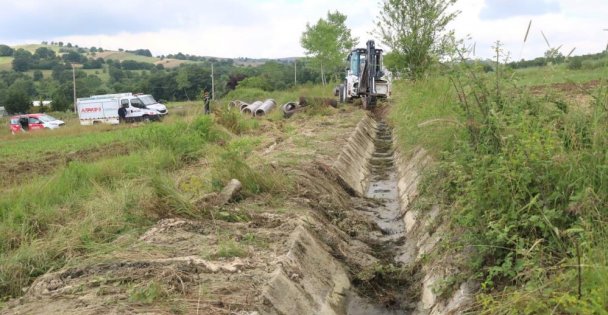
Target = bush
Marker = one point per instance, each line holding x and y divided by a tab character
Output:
575	64
185	140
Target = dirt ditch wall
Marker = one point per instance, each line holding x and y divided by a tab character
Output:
351	165
311	280
424	231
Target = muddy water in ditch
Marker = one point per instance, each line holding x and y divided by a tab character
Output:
385	212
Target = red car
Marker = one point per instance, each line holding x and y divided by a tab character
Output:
22	123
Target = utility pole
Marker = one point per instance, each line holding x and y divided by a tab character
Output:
74	84
212	84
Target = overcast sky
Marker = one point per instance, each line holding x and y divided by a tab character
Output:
272	28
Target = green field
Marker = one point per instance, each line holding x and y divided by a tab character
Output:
557	74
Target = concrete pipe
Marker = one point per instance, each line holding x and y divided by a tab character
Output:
289	109
242	106
235	104
266	107
251	108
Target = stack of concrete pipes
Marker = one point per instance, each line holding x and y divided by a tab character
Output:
257	108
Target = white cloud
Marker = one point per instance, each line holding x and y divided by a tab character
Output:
575	25
272	28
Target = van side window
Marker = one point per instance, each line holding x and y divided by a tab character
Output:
33	120
124	102
137	103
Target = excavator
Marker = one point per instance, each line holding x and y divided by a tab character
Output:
365	77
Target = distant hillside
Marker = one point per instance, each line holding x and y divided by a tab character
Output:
169	62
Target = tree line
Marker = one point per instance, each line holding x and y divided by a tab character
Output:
27	81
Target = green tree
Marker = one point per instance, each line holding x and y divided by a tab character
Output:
328	42
44	53
17	101
74	57
416	31
22	60
38	75
6	51
256	82
62	98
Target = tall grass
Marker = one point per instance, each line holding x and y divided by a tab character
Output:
185	139
424	116
84	206
46	222
526	180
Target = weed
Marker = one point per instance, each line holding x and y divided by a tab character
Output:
262	178
232	119
148	293
230	248
253	240
170	201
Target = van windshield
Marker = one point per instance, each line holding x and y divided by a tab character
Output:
147	99
135	102
47	118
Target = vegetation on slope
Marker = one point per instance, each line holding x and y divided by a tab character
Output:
525	177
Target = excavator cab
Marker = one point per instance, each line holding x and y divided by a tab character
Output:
365	77
356	61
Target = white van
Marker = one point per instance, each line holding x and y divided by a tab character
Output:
151	103
104	109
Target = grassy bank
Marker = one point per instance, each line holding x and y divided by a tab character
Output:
82	209
526	180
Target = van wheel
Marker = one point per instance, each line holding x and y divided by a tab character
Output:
146	118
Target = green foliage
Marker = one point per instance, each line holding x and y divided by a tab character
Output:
256	82
526	183
22	60
17	101
233	120
185	140
45	222
37	76
6	51
231	248
328	42
247	94
147	293
416	31
170	202
255	179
